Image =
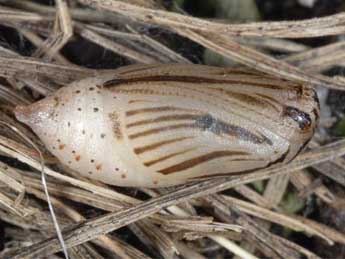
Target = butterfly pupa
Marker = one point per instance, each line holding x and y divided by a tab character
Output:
162	125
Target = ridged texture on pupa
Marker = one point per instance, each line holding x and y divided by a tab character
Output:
160	125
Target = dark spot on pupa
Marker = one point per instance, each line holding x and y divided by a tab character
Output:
91	88
53	148
95	109
56	99
59	140
77	92
68	124
123	176
102	135
303	119
155	182
70	162
116	169
79	109
114	118
218	127
73	151
92	161
83	132
316	114
89	172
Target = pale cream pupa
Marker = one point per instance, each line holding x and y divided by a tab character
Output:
161	125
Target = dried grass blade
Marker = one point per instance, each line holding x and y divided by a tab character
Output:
264	63
329	25
105	224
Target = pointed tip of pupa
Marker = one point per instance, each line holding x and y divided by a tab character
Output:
22	113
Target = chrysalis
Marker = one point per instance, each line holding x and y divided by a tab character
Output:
161	125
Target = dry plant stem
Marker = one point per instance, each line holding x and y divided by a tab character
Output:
329	25
188	252
284	220
252	58
11	67
11	182
253	232
15	16
275	189
324	63
334	169
231	246
162	49
298	248
105	241
252	195
319	59
303	179
301	59
225	242
38	42
12	97
115	47
157	50
81	14
281	45
63	31
105	224
159	239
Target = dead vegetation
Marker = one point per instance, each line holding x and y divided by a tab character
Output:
196	220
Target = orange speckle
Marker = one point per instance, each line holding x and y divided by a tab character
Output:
123	176
98	167
62	146
77	158
155	182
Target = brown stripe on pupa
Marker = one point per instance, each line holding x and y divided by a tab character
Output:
164	118
162	129
140	150
302	118
247	99
154	109
199	160
163	158
136	69
208	123
185	79
218	127
139	101
270	99
116	125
